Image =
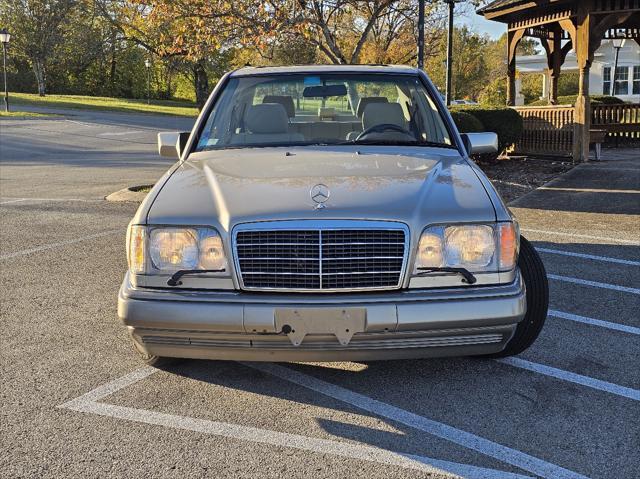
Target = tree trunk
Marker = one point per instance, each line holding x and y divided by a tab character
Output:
39	71
169	80
113	64
201	84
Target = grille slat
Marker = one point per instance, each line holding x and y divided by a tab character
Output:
320	259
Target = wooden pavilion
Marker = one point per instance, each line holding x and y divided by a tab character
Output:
561	26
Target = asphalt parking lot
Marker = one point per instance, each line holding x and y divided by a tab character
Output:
76	401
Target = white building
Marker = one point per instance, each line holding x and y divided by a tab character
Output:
627	80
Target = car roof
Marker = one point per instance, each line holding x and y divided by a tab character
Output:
310	69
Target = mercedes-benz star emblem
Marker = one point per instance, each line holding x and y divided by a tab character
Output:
320	194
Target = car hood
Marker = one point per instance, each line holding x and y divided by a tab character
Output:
418	186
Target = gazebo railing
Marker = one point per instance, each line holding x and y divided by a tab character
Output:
621	121
548	130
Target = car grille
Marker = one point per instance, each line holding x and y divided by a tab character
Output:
321	259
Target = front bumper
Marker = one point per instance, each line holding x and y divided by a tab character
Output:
386	325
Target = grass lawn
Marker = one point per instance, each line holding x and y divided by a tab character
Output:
164	107
24	114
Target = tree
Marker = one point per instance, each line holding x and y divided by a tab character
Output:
191	31
37	28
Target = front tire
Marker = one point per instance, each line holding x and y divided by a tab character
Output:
159	362
537	286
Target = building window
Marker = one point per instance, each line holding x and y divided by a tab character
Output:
621	81
606	81
636	80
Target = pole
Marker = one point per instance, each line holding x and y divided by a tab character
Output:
449	52
4	63
615	70
421	34
148	85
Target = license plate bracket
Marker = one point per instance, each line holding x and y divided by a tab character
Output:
343	323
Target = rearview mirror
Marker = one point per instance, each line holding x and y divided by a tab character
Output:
171	144
480	143
324	91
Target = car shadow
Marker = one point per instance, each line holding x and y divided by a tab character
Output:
588	190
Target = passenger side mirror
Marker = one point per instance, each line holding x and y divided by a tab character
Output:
480	143
171	144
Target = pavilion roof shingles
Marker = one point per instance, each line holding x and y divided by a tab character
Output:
498	5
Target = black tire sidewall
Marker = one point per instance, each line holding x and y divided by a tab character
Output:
535	281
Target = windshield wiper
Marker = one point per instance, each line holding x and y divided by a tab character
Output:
175	278
379	142
397	143
467	276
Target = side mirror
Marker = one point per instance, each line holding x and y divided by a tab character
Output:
171	144
480	143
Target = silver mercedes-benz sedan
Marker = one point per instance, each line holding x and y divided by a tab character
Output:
328	213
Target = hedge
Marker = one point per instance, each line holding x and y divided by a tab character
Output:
466	122
571	100
506	122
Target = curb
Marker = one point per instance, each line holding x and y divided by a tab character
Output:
132	193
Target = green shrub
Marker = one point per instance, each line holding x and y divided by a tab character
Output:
506	122
571	100
466	122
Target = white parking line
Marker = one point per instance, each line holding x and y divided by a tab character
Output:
595	322
589	256
575	235
57	245
16	200
573	377
595	284
88	403
449	433
587	190
119	133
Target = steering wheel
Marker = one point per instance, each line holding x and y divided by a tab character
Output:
382	127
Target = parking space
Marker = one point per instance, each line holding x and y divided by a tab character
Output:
75	400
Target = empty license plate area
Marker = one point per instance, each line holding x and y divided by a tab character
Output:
343	323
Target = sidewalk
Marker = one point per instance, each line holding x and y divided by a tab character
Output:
595	198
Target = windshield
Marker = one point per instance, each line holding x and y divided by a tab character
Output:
323	109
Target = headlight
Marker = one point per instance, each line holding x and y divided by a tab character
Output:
477	248
172	249
471	247
169	249
430	250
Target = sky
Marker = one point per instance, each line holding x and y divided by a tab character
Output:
479	24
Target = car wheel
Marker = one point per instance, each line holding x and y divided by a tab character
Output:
159	362
535	280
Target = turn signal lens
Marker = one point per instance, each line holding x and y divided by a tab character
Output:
509	242
136	247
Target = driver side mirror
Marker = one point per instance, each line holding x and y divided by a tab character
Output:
171	144
480	143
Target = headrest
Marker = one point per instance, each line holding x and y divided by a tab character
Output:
285	100
326	113
379	113
367	100
268	118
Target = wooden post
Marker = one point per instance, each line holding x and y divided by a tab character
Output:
555	59
513	38
581	39
556	64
